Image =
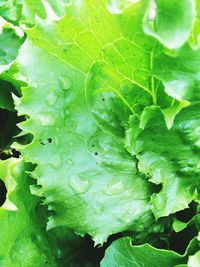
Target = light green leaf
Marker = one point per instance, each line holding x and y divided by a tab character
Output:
168	157
170	112
194	39
73	100
20	226
179	225
180	73
24	240
172	22
194	261
26	11
10	43
122	252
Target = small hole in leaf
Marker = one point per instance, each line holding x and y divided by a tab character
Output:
93	145
3	192
103	99
45	142
96	153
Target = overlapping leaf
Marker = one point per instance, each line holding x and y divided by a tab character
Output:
79	101
90	79
173	162
22	221
24	240
26	11
169	21
74	150
123	252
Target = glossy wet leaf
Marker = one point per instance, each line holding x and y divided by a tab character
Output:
169	21
168	157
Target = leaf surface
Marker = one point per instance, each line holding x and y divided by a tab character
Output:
170	22
168	157
123	253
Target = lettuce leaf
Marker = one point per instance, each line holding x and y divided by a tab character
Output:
26	11
122	251
24	240
108	92
22	220
168	157
61	98
172	22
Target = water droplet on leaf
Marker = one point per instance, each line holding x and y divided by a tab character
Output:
70	162
65	83
127	216
46	119
114	189
71	143
51	99
78	185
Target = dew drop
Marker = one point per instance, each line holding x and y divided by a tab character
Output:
70	162
71	143
79	186
57	161
114	189
51	99
128	215
46	119
65	83
34	84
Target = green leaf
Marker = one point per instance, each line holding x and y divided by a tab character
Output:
186	219
194	261
169	113
168	157
123	252
179	225
22	221
73	110
23	228
10	43
172	22
6	101
26	11
180	74
194	39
